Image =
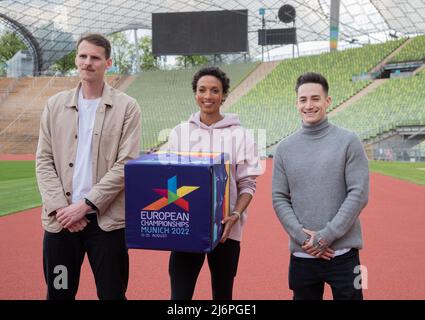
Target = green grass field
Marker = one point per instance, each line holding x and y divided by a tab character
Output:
410	171
18	186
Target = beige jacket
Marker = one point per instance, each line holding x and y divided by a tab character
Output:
116	139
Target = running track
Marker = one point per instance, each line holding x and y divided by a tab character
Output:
393	227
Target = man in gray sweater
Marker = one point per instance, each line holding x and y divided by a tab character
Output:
320	186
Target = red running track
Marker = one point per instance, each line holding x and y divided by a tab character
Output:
17	157
393	224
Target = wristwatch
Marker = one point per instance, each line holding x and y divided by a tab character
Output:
90	204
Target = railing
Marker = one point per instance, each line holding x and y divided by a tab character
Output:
400	153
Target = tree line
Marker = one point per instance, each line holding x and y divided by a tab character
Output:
123	55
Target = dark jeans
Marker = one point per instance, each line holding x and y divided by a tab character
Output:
307	277
184	268
63	255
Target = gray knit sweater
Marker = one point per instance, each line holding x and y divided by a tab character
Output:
321	183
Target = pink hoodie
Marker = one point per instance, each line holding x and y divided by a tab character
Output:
226	135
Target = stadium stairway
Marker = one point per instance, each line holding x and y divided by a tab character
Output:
391	56
124	82
258	74
372	86
418	70
375	84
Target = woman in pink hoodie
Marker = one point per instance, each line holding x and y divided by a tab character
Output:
211	131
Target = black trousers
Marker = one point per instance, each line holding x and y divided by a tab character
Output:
184	268
63	255
307	277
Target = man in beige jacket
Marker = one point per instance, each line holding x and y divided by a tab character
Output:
86	136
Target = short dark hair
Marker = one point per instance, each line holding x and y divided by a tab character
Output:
98	40
312	77
212	71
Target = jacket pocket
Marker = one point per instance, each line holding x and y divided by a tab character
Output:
109	145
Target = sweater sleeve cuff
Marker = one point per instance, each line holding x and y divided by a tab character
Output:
327	235
301	237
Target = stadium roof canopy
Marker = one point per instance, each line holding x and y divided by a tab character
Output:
50	27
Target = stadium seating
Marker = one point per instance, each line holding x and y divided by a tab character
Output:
397	102
413	51
270	105
21	110
166	98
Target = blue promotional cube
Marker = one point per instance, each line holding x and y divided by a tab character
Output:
176	201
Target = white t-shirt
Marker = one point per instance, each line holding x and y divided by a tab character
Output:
308	256
82	178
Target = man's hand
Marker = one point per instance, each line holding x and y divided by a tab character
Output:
228	225
317	249
72	214
79	225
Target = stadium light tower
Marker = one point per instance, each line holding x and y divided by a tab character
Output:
262	12
334	25
136	53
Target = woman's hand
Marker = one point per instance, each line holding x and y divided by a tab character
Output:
228	225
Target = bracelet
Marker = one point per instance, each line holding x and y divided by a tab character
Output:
235	213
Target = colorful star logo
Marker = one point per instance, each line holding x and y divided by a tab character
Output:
172	195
